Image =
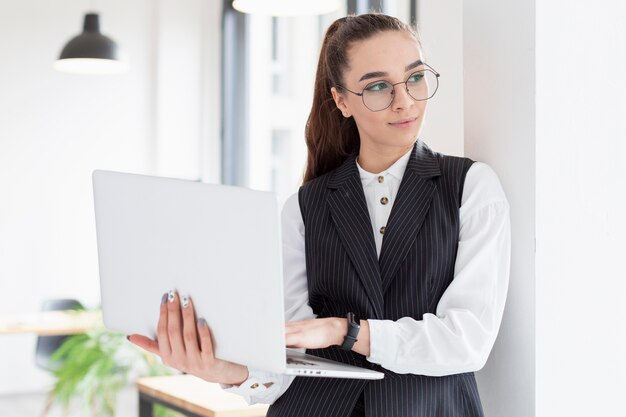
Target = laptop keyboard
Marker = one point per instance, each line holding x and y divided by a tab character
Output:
291	361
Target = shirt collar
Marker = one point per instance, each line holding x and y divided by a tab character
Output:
396	170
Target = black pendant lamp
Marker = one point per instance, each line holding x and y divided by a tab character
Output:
91	52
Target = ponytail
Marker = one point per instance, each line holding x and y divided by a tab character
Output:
330	137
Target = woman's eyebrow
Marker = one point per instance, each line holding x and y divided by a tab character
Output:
378	74
413	65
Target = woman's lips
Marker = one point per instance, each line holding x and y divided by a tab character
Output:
404	123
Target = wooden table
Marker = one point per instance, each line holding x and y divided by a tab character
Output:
193	397
51	323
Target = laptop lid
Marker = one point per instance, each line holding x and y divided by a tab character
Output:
219	244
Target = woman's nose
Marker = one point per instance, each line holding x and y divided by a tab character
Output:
401	98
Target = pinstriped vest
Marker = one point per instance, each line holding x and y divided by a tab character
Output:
415	267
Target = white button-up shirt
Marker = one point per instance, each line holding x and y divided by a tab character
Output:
377	187
459	337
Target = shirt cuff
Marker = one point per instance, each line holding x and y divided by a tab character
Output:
378	337
253	389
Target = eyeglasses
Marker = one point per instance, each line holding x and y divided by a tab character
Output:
378	95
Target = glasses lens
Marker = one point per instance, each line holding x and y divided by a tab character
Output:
377	95
421	85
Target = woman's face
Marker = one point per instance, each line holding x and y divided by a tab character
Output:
390	56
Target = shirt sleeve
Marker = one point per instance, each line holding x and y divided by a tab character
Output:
459	337
265	387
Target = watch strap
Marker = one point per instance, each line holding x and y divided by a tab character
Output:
353	331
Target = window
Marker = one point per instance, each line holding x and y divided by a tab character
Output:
281	62
273	94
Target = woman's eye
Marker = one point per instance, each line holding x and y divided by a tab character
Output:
416	77
381	86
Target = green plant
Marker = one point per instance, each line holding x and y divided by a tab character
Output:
95	366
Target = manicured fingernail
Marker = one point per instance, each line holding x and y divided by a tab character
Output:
185	301
164	298
171	296
201	323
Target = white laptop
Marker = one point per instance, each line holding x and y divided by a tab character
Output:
219	244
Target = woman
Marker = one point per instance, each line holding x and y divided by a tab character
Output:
413	243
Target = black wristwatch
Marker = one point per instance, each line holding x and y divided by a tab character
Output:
353	331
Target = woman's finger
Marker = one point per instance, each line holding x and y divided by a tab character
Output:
175	325
190	335
206	344
313	334
300	323
145	343
293	336
162	338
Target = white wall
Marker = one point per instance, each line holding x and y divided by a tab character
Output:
499	85
581	201
187	93
484	51
440	25
56	128
544	105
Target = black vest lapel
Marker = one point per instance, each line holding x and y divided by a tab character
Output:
409	210
349	213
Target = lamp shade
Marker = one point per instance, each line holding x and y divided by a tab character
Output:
287	7
91	52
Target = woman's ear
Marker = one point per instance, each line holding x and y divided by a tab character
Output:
339	102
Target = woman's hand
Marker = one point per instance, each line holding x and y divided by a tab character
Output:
316	333
322	333
185	344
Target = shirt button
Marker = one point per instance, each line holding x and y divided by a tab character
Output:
381	179
382	230
384	200
254	386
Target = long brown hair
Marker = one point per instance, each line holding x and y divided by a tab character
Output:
330	137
